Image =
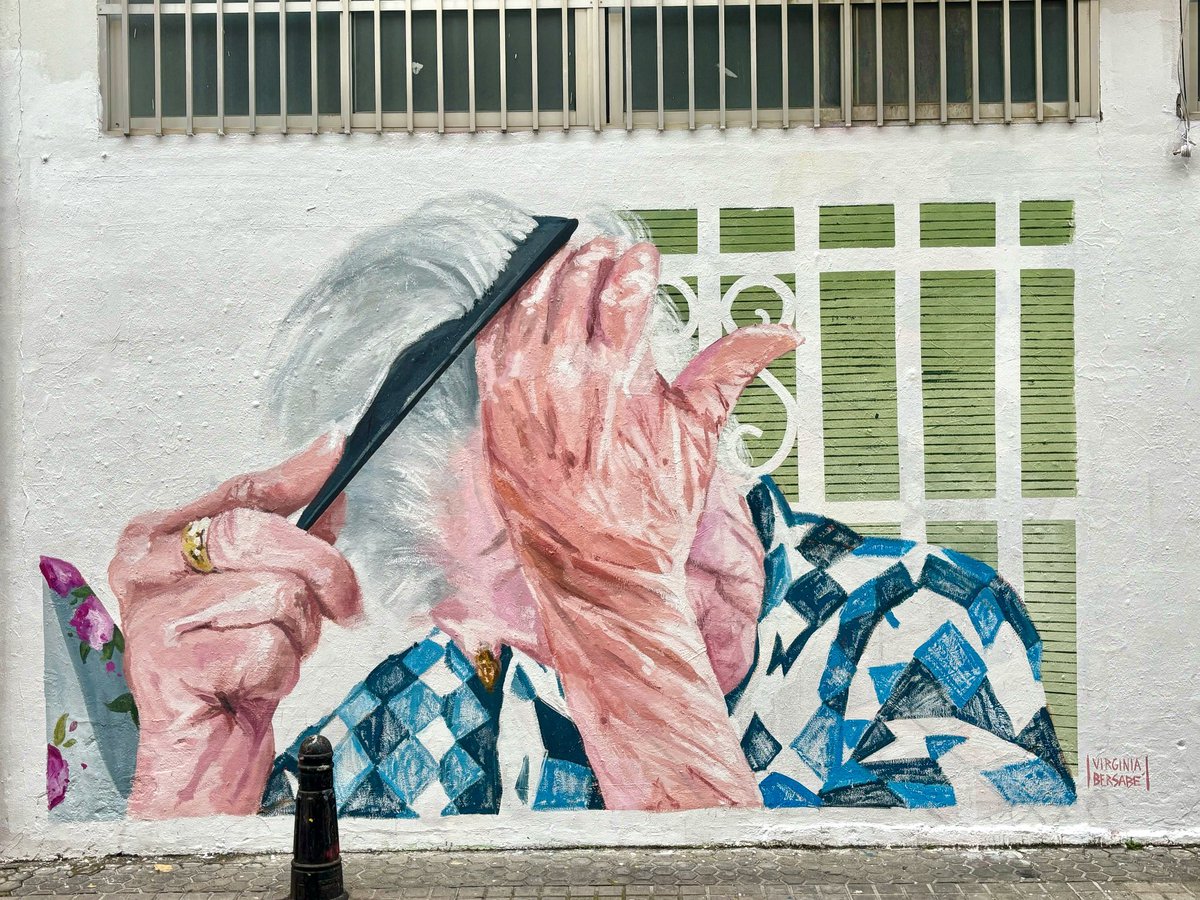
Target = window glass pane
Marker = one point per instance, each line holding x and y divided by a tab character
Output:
266	64
675	58
550	60
519	48
299	65
1054	50
237	65
141	66
737	57
456	91
864	56
362	42
895	54
770	57
204	65
991	52
1023	52
425	73
831	56
958	53
928	52
800	66
174	64
393	59
329	63
643	28
707	58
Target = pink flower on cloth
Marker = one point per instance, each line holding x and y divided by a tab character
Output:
92	623
57	776
60	575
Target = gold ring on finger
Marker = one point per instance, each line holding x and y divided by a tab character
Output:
195	545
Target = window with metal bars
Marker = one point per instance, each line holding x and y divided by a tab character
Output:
466	65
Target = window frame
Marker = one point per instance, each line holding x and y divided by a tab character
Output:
601	72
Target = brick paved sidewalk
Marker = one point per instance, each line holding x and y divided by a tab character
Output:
1072	873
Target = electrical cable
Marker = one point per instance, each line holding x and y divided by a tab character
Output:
1185	100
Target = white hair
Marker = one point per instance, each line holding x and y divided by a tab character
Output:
337	341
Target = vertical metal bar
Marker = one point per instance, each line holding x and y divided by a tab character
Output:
220	67
597	67
691	63
503	65
943	90
1007	62
783	47
158	67
658	58
378	42
1072	106
975	61
126	90
878	62
533	62
628	48
471	65
753	64
188	63
912	65
721	63
847	63
251	67
408	63
312	56
283	84
1037	53
441	70
566	69
816	56
347	110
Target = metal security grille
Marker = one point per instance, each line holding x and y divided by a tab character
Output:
171	66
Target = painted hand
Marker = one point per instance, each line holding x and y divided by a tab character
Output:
209	656
601	470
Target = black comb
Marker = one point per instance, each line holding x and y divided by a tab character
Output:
419	365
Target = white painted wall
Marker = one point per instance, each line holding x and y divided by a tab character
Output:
142	279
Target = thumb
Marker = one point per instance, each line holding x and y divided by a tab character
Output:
713	381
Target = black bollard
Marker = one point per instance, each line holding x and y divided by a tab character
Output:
316	857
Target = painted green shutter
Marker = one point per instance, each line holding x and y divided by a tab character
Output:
1047	223
876	529
1050	598
958	369
977	539
758	230
672	230
958	224
678	300
858	385
1048	446
759	405
858	226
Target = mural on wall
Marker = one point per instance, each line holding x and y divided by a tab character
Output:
618	607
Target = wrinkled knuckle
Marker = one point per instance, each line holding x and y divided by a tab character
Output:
249	491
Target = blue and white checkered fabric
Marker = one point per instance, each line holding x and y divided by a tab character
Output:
542	761
416	738
890	673
886	674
